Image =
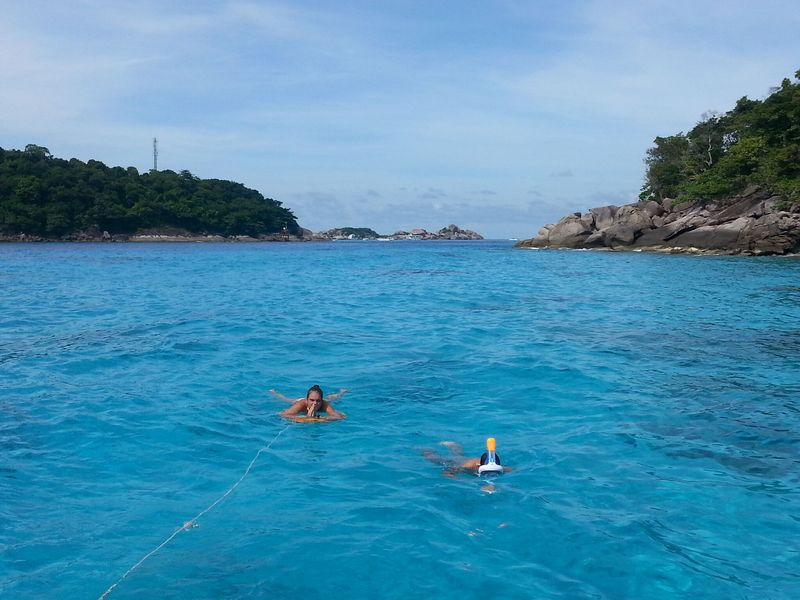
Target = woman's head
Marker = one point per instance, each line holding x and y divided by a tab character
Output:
314	393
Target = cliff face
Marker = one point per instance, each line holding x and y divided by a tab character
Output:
752	223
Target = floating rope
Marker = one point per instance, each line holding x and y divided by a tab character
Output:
193	522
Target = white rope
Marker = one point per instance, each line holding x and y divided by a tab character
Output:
193	522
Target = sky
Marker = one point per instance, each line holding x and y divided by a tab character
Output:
498	116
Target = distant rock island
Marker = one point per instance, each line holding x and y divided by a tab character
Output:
753	223
731	185
347	233
451	232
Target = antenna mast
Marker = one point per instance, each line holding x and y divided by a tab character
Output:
155	154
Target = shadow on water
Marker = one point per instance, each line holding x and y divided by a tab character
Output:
698	561
738	444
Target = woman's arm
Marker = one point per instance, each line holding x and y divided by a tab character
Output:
334	415
295	409
281	396
468	466
454	447
339	394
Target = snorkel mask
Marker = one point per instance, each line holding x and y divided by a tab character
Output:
490	462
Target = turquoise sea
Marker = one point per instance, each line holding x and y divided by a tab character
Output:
649	404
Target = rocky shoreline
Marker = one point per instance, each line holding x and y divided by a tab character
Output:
164	234
171	234
753	223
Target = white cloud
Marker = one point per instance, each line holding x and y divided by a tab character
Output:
658	63
289	97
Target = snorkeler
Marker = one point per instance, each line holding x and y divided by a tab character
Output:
487	463
311	407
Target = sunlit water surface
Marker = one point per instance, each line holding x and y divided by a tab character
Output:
649	405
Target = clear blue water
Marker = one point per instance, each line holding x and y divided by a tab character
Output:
649	405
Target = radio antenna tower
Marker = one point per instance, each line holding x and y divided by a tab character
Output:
155	154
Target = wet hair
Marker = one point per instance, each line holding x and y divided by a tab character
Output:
315	388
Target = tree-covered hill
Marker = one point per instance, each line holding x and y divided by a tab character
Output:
758	142
50	197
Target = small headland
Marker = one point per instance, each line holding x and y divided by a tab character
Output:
730	185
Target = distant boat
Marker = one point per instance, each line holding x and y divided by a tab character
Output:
512	239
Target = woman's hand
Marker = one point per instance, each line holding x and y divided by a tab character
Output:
337	395
281	396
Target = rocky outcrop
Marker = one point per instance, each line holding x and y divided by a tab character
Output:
347	233
454	232
755	223
451	232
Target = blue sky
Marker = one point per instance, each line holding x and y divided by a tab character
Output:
497	116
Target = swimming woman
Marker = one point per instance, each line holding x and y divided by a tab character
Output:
311	407
460	464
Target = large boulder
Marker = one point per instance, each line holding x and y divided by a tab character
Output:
595	240
619	234
651	237
750	206
775	233
603	216
632	215
727	235
569	232
653	209
683	224
542	239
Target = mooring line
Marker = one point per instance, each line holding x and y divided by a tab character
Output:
193	522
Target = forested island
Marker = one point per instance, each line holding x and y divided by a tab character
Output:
43	197
730	185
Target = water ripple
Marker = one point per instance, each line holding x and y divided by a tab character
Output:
646	403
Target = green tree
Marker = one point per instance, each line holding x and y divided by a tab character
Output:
757	142
48	196
665	166
38	151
